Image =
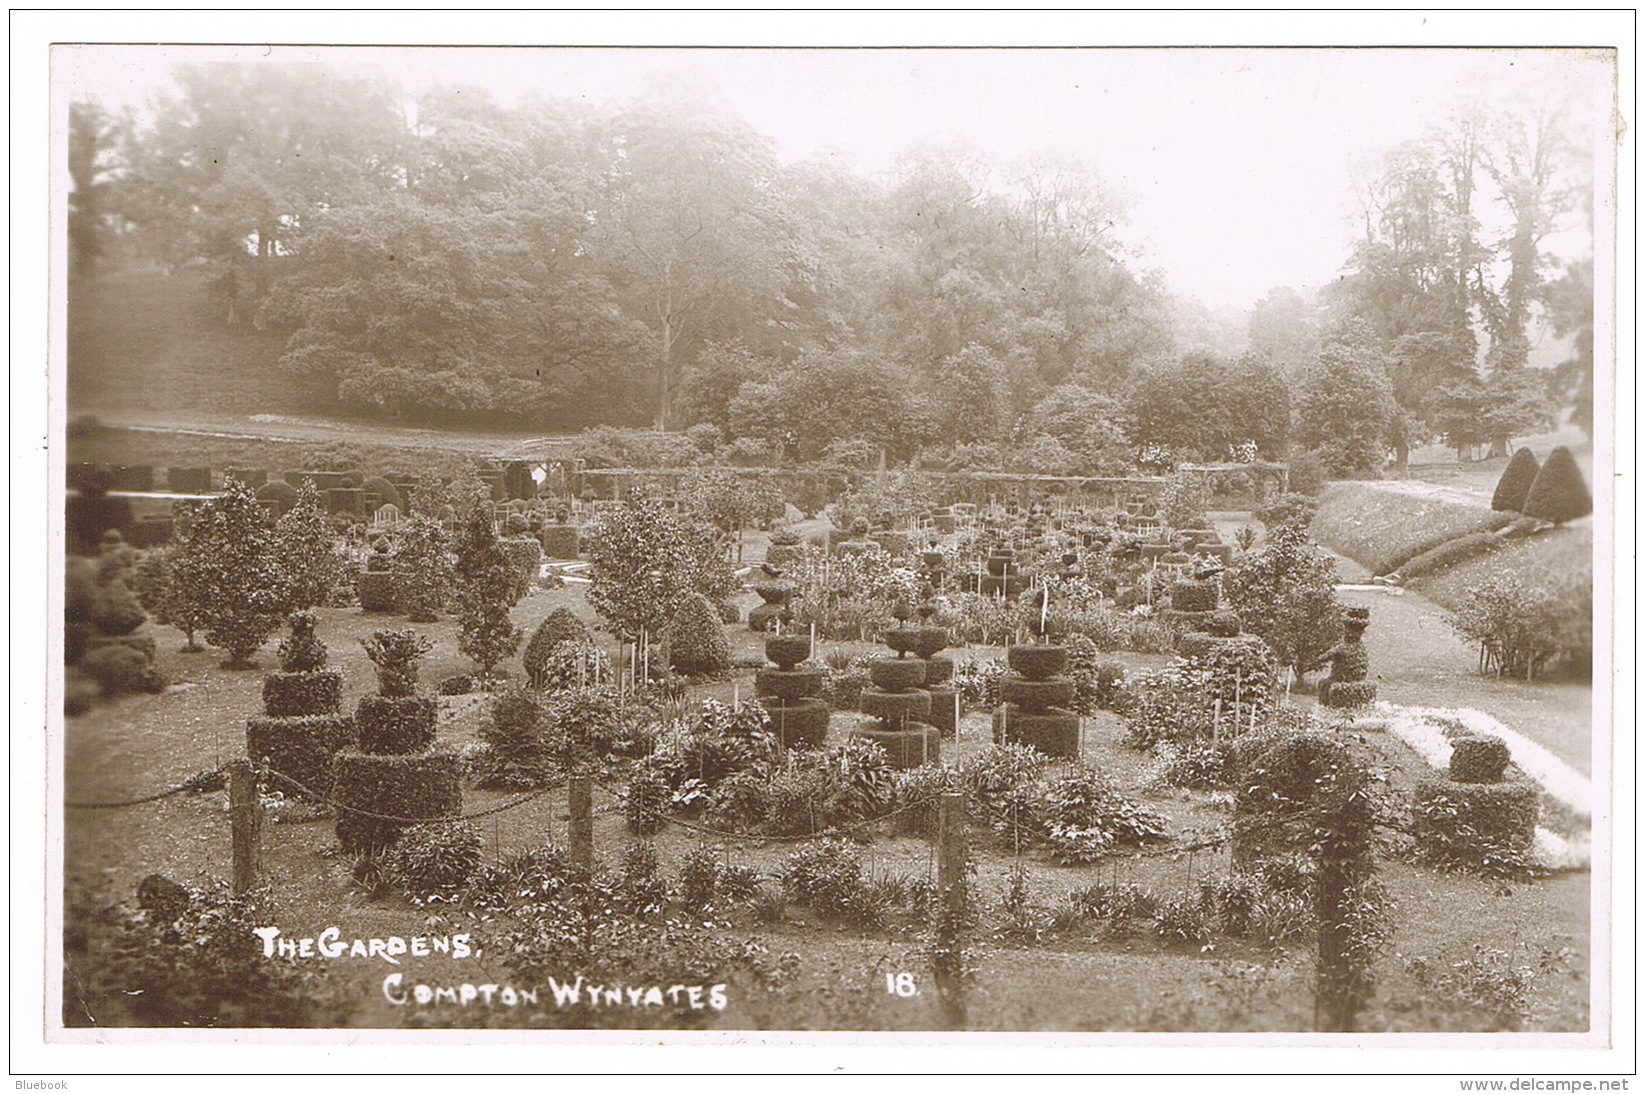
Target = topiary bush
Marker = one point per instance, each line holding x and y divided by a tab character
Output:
418	786
559	627
118	670
1478	759
1515	484
1486	828
696	640
396	723
395	653
1558	493
301	749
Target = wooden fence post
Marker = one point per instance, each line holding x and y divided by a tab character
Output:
582	822
245	825
949	960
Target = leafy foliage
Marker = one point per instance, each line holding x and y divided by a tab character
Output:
486	590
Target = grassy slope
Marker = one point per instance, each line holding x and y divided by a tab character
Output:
1382	525
143	344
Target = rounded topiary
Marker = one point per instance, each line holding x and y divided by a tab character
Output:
559	627
387	491
905	748
896	674
800	724
281	494
1056	733
1194	596
895	708
1037	662
1559	493
788	684
1515	484
1036	696
1223	625
1478	759
787	650
394	654
943	716
559	540
118	670
696	641
904	640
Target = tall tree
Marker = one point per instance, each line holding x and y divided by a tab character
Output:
94	136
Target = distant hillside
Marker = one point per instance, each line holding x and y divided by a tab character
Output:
146	345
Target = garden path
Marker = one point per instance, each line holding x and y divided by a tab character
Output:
1418	660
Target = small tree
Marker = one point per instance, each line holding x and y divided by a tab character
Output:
166	594
1559	493
1515	483
423	569
486	590
1285	592
312	561
230	567
645	562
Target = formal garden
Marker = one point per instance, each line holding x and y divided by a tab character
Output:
363	749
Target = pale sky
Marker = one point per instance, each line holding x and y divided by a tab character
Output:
1236	166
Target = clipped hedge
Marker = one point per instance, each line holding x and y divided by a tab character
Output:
1385	525
294	694
1461	549
418	786
905	748
300	748
1483	827
1194	596
396	725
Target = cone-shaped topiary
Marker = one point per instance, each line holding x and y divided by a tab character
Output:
697	645
1559	493
558	628
1515	484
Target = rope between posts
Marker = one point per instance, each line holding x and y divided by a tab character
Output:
451	818
198	781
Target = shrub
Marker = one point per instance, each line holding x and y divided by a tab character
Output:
571	665
434	860
229	565
829	879
1289	508
1183	502
202	968
640	884
301	749
559	627
522	746
1515	484
117	610
1231	902
282	494
287	694
699	880
1115	902
1183	920
420	786
696	640
461	684
486	589
376	484
1558	493
1083	817
302	650
118	670
395	654
646	799
1485	828
1308	474
525	557
1481	759
80	692
396	724
1517	624
423	569
1200	766
1285	593
312	563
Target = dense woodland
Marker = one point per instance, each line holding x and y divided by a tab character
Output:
557	265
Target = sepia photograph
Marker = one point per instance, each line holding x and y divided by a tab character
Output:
1107	542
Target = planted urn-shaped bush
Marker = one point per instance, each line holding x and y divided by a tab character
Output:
1035	697
898	701
396	777
775	593
301	731
931	640
791	694
1476	818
